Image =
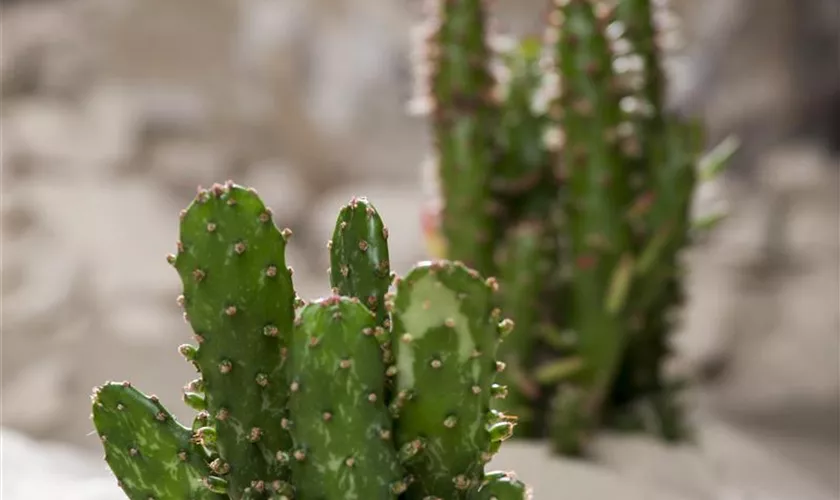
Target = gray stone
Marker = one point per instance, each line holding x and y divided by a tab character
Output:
34	469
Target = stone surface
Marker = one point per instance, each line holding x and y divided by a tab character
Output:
627	468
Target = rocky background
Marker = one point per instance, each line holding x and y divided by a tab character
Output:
113	111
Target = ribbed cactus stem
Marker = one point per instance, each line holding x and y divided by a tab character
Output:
459	83
239	300
598	194
668	151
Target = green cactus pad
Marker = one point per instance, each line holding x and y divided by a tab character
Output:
340	424
359	263
149	452
498	485
444	343
238	298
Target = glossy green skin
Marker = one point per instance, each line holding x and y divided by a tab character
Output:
498	485
598	192
241	308
149	452
342	431
444	344
359	262
463	129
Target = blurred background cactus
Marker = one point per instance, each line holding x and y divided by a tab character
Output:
292	399
561	170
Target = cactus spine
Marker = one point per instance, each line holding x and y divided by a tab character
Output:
589	190
358	395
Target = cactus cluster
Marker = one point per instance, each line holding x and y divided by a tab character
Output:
559	168
380	391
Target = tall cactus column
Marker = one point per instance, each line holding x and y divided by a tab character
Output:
598	196
667	150
458	86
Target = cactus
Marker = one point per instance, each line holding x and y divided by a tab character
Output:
296	400
597	195
151	454
460	85
525	284
359	263
585	199
339	420
444	342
